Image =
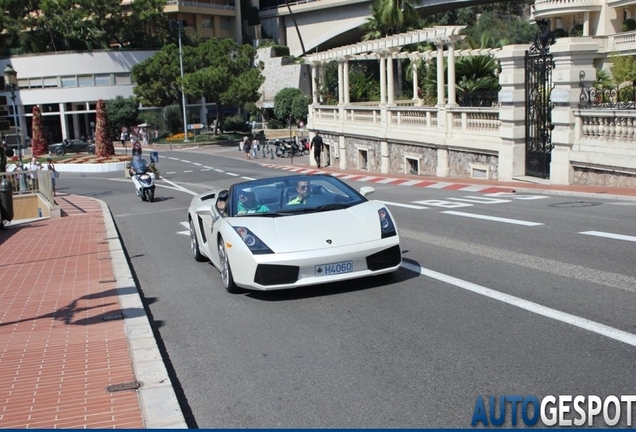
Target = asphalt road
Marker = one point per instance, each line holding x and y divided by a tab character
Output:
500	294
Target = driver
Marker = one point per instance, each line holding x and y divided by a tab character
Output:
302	189
137	164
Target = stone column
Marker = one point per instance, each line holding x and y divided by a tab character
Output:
63	123
512	151
586	24
452	98
342	153
340	83
315	88
382	79
345	73
571	56
440	74
390	81
321	80
416	85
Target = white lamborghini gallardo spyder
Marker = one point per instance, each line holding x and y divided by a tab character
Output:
292	231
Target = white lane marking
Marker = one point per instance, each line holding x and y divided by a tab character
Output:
576	321
181	188
623	203
185	225
207	167
176	187
172	158
188	171
349	176
493	218
232	174
218	170
366	179
411	183
411	206
609	235
247	178
197	164
186	161
171	172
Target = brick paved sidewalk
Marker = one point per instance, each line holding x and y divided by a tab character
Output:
62	337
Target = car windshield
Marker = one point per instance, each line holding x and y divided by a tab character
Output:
286	196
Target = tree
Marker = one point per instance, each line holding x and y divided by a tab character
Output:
291	104
38	142
32	26
157	76
121	112
223	73
103	141
623	68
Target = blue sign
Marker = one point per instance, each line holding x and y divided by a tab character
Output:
154	156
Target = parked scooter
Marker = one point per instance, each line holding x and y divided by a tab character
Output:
143	178
282	149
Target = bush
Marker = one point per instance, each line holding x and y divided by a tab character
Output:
276	124
628	25
236	124
280	50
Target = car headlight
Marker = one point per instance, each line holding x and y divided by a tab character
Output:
254	244
386	223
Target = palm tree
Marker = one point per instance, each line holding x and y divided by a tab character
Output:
37	141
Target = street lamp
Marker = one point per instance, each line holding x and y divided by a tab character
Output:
11	83
179	25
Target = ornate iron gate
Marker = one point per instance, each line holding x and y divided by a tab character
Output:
539	65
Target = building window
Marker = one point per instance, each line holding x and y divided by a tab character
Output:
102	80
69	81
86	81
206	23
122	79
23	83
225	23
50	82
51	108
35	83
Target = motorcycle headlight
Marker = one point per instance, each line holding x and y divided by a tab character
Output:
386	223
254	244
145	176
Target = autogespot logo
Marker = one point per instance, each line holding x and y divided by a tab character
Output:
560	411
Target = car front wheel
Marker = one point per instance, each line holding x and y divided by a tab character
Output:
226	270
59	151
90	150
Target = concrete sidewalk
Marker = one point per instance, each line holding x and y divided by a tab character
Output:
76	347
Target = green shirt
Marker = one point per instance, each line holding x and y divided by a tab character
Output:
258	209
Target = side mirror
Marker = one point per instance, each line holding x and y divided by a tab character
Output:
366	190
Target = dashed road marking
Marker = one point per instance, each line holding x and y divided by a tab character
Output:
411	206
493	218
609	235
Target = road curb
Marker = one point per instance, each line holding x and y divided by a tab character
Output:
159	405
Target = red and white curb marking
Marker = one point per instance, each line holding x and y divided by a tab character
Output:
397	181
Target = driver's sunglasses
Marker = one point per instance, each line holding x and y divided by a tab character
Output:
303	187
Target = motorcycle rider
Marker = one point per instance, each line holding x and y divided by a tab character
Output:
137	164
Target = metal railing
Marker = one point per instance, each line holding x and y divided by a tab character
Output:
227	5
31	182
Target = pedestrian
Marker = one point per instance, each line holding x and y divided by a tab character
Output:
242	143
255	147
122	138
316	144
247	146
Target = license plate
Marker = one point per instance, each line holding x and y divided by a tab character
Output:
334	268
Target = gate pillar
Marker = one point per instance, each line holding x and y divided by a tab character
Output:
512	112
571	56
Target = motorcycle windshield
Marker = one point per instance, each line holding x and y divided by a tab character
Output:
139	165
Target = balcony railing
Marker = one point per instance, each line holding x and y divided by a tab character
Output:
543	7
224	5
622	41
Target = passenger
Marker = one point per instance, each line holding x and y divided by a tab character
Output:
302	189
221	203
248	204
